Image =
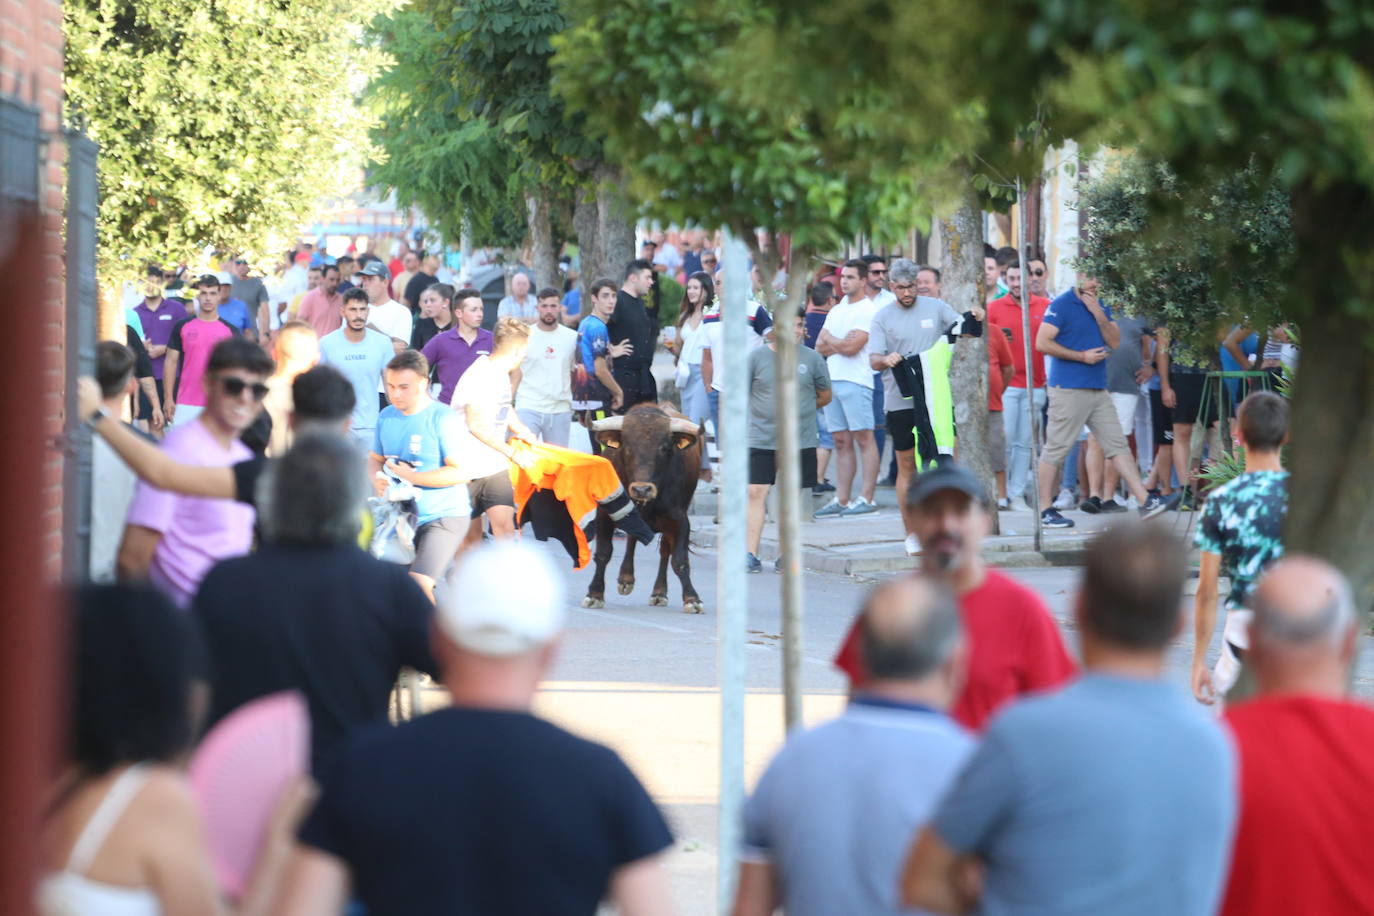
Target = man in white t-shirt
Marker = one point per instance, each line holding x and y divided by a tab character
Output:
543	383
110	499
482	398
843	341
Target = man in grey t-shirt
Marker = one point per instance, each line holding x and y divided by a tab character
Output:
1115	795
1124	378
832	817
813	392
909	327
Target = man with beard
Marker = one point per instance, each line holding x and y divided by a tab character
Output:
1014	645
361	354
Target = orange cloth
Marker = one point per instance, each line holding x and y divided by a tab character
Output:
578	480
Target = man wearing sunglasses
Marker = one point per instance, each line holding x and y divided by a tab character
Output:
173	540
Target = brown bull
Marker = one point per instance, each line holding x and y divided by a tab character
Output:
657	453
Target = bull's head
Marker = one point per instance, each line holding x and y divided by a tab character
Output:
646	438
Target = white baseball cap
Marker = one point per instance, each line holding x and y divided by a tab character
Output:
507	598
225	278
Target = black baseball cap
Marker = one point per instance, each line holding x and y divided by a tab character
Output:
947	476
375	269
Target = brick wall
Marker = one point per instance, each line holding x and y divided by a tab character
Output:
31	70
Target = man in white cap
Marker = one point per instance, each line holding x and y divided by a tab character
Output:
482	807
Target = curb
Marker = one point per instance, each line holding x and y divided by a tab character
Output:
1009	552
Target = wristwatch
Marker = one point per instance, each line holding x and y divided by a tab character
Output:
100	413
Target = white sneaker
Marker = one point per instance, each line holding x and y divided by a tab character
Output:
1066	500
1004	504
913	545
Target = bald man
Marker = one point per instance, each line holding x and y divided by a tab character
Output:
1306	786
871	777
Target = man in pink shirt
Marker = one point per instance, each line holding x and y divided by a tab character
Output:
188	352
171	540
321	306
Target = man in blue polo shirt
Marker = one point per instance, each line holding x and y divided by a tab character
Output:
1078	332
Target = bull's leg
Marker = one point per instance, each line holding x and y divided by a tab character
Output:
667	539
605	544
691	604
625	582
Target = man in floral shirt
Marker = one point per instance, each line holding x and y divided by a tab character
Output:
1240	534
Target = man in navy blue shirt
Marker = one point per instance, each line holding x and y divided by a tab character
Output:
1078	332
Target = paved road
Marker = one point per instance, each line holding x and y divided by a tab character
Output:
642	680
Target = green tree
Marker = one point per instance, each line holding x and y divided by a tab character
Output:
494	57
1226	260
1212	84
218	124
457	169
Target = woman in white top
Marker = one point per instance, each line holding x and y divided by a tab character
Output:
697	300
124	836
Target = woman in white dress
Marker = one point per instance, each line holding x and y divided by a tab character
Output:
697	300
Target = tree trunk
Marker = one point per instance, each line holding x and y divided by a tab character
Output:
615	229
543	258
1331	495
961	254
585	222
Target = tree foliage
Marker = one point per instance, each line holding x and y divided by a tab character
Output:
456	168
1227	260
218	123
656	79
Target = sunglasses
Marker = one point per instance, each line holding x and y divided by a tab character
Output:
877	273
1038	272
235	386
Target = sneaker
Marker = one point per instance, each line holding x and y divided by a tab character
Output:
1051	518
1186	501
830	510
1092	505
824	486
1065	500
858	506
1111	505
752	564
777	565
1004	504
913	545
1157	504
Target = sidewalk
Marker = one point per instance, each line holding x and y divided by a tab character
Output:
875	543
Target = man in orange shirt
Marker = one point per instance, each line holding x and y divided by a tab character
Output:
1005	312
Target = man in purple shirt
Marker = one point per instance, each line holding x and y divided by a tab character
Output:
158	316
452	352
170	540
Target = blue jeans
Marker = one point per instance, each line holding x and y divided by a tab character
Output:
1069	481
1016	424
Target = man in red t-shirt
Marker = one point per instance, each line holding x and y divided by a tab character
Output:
1306	786
1014	645
1006	314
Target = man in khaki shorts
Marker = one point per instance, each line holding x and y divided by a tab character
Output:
1078	331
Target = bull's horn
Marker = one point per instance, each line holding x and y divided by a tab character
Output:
676	425
608	423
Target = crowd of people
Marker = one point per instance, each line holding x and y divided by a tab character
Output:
980	765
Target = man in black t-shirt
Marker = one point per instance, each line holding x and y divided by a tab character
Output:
634	322
310	611
483	808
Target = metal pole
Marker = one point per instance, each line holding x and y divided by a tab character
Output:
1030	366
789	505
731	584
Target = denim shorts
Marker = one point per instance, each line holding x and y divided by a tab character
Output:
850	408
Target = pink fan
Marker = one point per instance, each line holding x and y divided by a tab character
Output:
238	775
